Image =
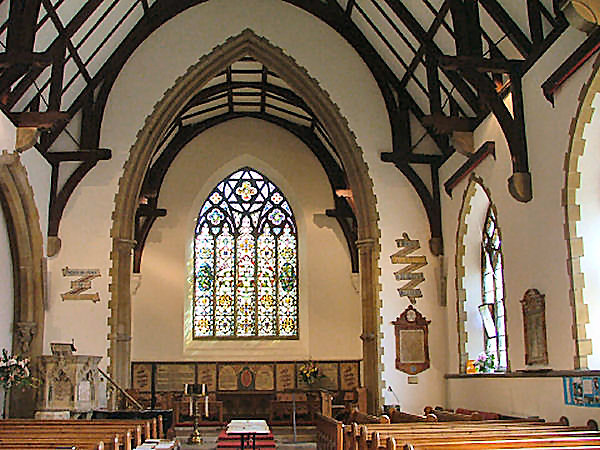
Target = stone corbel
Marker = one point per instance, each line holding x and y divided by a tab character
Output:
26	138
24	334
582	14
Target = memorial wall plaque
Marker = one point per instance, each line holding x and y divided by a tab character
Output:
172	377
207	374
534	323
349	375
142	377
228	380
330	375
264	378
412	341
284	376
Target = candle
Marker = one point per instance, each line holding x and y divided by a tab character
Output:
203	389
191	412
205	405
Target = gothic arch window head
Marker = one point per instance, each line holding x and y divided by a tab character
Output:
245	261
492	291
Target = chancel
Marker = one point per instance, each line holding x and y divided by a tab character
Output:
307	213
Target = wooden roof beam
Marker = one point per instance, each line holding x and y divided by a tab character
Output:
31	59
489	65
100	154
508	25
67	39
417	30
22	21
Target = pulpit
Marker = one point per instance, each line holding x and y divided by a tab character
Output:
68	383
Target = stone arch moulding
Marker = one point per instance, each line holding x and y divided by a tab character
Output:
246	43
27	251
461	292
583	116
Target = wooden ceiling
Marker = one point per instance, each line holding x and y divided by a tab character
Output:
441	65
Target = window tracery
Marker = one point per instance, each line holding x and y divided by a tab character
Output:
245	261
492	296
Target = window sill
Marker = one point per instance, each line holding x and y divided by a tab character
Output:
543	373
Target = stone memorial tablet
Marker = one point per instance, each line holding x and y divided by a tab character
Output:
349	376
228	377
142	377
172	377
284	375
207	374
330	375
264	379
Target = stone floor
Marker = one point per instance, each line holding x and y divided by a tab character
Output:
284	438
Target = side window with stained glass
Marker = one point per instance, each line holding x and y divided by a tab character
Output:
245	261
492	272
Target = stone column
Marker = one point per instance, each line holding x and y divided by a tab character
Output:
370	323
120	321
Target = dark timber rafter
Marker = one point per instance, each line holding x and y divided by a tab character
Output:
20	68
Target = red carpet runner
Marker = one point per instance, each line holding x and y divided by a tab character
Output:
229	442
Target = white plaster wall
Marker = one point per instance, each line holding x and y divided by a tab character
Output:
6	292
6	288
330	309
534	246
151	70
523	397
589	200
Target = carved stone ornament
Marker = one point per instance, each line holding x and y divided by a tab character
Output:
534	323
24	333
412	341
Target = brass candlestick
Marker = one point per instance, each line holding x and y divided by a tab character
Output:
195	438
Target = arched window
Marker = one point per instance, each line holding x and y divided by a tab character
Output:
246	261
492	291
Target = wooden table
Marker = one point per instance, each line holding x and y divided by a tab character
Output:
247	430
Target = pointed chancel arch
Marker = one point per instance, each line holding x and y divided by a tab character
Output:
27	251
245	44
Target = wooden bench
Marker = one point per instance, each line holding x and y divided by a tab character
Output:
84	434
476	434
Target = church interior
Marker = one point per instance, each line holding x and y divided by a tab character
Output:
384	205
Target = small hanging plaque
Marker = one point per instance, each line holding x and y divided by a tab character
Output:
412	341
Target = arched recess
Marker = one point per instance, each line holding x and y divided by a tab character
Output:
475	184
575	243
27	251
246	43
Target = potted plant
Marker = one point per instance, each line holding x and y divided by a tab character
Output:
485	362
14	372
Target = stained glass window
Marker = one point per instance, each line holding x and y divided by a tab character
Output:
493	289
246	261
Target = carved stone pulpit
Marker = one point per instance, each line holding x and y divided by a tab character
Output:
68	383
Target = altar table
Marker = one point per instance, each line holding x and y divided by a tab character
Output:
247	430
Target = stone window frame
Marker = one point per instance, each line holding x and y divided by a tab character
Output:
461	292
572	211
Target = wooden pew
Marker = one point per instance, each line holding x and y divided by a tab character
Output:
476	434
403	417
117	434
330	433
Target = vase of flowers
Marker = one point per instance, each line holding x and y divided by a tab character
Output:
14	372
309	373
485	362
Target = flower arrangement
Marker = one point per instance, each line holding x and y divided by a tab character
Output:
14	372
309	372
485	362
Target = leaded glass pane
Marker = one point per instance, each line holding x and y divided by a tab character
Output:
493	286
245	261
